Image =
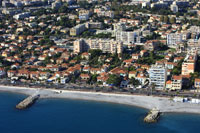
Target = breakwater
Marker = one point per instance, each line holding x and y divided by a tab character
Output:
28	101
152	116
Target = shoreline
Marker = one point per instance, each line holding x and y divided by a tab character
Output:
164	104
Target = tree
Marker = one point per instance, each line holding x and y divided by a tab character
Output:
133	16
93	78
73	79
192	77
95	52
134	81
114	80
166	19
177	69
162	18
172	20
63	9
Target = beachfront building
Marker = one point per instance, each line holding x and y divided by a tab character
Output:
197	83
176	82
189	63
106	45
158	76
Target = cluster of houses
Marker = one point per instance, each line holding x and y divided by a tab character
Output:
45	49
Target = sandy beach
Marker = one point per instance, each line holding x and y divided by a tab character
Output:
164	104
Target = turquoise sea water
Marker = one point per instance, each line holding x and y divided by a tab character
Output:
76	116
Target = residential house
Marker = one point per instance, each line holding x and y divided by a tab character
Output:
85	77
2	72
85	55
128	62
135	56
95	70
86	69
168	84
11	73
197	83
119	71
23	73
103	77
44	75
34	75
176	82
132	74
141	77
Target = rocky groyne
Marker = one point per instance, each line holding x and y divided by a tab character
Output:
28	101
152	116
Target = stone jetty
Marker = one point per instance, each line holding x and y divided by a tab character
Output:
152	116
28	101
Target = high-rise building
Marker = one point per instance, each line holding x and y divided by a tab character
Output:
158	76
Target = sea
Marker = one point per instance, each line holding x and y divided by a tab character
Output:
80	116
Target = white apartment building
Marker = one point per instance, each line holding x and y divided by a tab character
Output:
106	14
119	27
77	30
136	2
158	76
21	15
56	4
84	14
128	37
174	7
173	39
106	45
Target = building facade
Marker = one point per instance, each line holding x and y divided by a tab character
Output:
173	39
188	66
197	83
158	76
176	83
128	37
106	45
77	30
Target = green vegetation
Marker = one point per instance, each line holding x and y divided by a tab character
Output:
167	20
66	22
115	61
177	69
134	81
89	34
114	80
151	59
47	41
153	36
94	58
93	79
